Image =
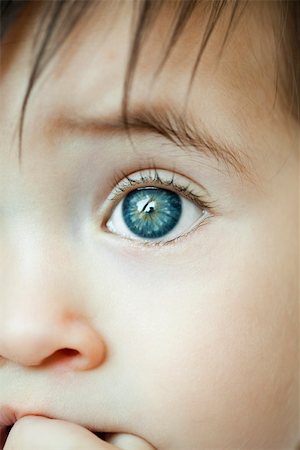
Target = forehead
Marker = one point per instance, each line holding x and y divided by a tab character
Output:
101	46
93	61
103	43
232	94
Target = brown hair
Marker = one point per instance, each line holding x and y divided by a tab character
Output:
60	17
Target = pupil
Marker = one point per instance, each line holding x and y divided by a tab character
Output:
151	212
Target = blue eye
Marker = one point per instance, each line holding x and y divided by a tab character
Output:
151	212
154	214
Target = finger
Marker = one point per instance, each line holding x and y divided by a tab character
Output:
128	441
41	433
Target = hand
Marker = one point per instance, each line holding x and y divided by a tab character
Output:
41	433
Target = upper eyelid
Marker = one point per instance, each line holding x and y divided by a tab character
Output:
159	181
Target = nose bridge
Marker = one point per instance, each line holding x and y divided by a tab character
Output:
30	246
36	267
41	310
30	271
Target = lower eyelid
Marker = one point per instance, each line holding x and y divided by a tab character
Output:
171	243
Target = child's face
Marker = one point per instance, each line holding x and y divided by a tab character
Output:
190	345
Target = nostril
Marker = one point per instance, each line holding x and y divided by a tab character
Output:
61	357
68	352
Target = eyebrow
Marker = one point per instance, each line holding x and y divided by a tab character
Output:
167	122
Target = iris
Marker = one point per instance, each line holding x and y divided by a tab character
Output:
151	212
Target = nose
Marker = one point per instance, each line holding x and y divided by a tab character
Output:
44	317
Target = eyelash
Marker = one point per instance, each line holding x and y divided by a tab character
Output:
143	180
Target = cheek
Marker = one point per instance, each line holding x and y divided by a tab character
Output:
207	334
221	354
225	375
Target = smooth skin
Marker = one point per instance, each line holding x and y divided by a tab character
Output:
188	346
